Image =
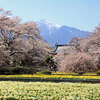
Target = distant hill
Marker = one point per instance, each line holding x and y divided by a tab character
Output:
56	34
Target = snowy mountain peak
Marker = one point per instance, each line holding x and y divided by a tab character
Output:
56	34
49	24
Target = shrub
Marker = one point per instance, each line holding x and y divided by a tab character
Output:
48	59
98	72
37	73
23	70
80	72
77	61
16	70
46	72
3	71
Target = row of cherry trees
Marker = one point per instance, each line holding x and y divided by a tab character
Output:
21	44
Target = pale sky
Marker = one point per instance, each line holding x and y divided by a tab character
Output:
81	14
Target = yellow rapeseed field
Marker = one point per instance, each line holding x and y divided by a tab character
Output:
53	76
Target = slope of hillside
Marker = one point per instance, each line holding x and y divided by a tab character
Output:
56	34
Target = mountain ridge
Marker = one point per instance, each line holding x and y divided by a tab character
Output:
57	34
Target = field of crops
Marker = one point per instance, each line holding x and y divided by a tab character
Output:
48	91
54	76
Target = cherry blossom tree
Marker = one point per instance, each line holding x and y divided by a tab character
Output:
86	55
77	61
22	41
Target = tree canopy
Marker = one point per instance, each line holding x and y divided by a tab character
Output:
20	43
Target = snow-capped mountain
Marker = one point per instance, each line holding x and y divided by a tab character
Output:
47	27
56	34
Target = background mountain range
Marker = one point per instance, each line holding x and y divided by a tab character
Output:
56	34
